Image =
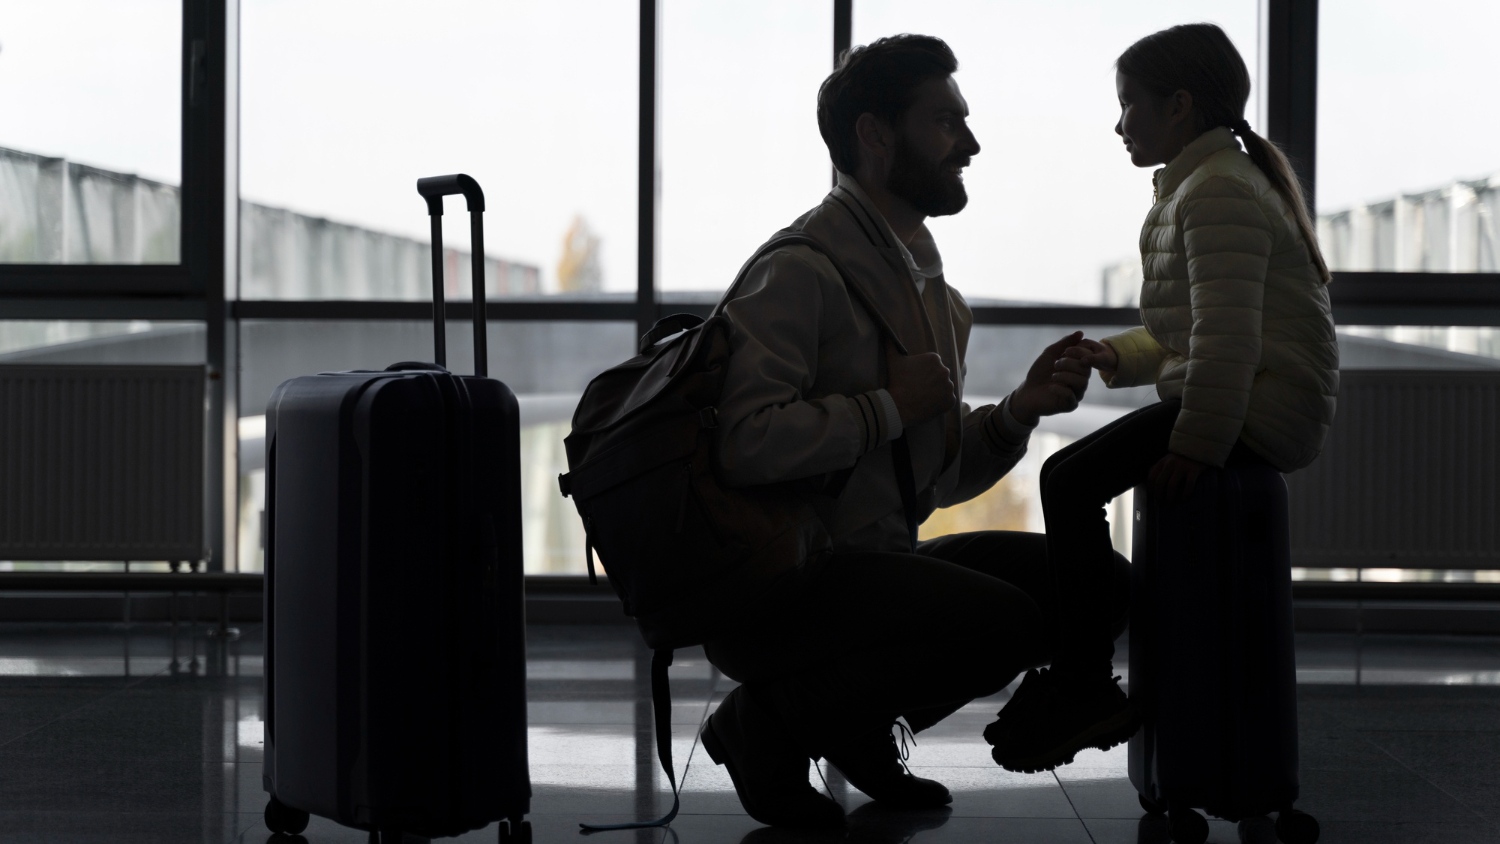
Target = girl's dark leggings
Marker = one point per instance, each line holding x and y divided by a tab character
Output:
1078	483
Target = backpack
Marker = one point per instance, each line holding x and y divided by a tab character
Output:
686	554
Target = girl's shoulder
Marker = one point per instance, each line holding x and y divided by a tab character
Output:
1228	170
1231	175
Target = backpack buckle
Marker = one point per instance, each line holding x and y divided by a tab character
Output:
708	417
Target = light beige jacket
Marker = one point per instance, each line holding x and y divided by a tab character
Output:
802	395
1237	321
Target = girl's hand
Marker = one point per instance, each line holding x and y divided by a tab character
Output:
1174	476
1100	356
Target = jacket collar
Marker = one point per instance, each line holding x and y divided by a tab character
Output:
1169	177
877	264
921	255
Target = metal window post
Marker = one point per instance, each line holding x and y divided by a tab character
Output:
206	232
1292	86
648	172
843	37
843	27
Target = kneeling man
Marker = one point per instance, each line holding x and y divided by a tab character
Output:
859	392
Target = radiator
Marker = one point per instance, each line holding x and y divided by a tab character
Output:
1409	476
101	462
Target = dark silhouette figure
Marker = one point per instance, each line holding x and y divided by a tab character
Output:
851	385
1240	343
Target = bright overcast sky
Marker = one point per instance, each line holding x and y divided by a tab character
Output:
344	104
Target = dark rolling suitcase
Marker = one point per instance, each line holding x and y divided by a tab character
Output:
395	633
1211	656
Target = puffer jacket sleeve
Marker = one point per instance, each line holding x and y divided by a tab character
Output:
1140	358
1228	239
770	428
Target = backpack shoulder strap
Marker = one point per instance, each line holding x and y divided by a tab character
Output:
790	237
661	705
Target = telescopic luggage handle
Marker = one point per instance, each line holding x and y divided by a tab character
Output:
433	189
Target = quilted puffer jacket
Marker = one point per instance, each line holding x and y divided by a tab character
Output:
1236	317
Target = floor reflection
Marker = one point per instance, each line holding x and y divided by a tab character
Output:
139	733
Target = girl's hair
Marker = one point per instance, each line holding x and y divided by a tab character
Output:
1200	59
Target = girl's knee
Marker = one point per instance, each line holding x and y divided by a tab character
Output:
1063	479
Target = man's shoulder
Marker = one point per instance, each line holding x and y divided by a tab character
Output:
795	257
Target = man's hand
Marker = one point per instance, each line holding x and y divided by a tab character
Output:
1054	384
1174	476
1100	356
920	385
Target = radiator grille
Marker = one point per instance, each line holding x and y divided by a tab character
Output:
101	462
1409	477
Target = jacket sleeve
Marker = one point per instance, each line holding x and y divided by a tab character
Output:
771	428
1228	240
993	443
1140	358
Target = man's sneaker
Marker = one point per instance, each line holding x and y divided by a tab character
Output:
1058	718
769	772
873	763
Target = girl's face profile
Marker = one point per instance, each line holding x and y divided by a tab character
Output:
1150	125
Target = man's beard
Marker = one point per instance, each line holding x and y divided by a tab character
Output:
927	186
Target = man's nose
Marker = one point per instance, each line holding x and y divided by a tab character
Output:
1120	127
968	144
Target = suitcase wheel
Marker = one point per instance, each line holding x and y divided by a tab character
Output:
1151	806
1153	829
1294	827
283	819
1188	827
518	834
1258	830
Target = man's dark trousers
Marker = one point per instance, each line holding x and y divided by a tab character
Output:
853	640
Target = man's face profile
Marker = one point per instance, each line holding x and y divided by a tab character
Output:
933	145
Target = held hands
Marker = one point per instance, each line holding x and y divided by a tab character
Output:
1054	384
1100	356
920	385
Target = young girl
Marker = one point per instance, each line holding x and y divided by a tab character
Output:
1237	338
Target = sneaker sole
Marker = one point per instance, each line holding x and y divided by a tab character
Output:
1101	736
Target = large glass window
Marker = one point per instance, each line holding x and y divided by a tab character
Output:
1055	206
1419	347
101	342
740	151
1408	168
543	362
90	143
344	107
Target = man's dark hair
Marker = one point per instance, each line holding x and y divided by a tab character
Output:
880	78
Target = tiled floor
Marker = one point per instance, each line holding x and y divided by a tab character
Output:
107	736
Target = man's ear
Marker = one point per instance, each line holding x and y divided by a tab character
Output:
876	140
